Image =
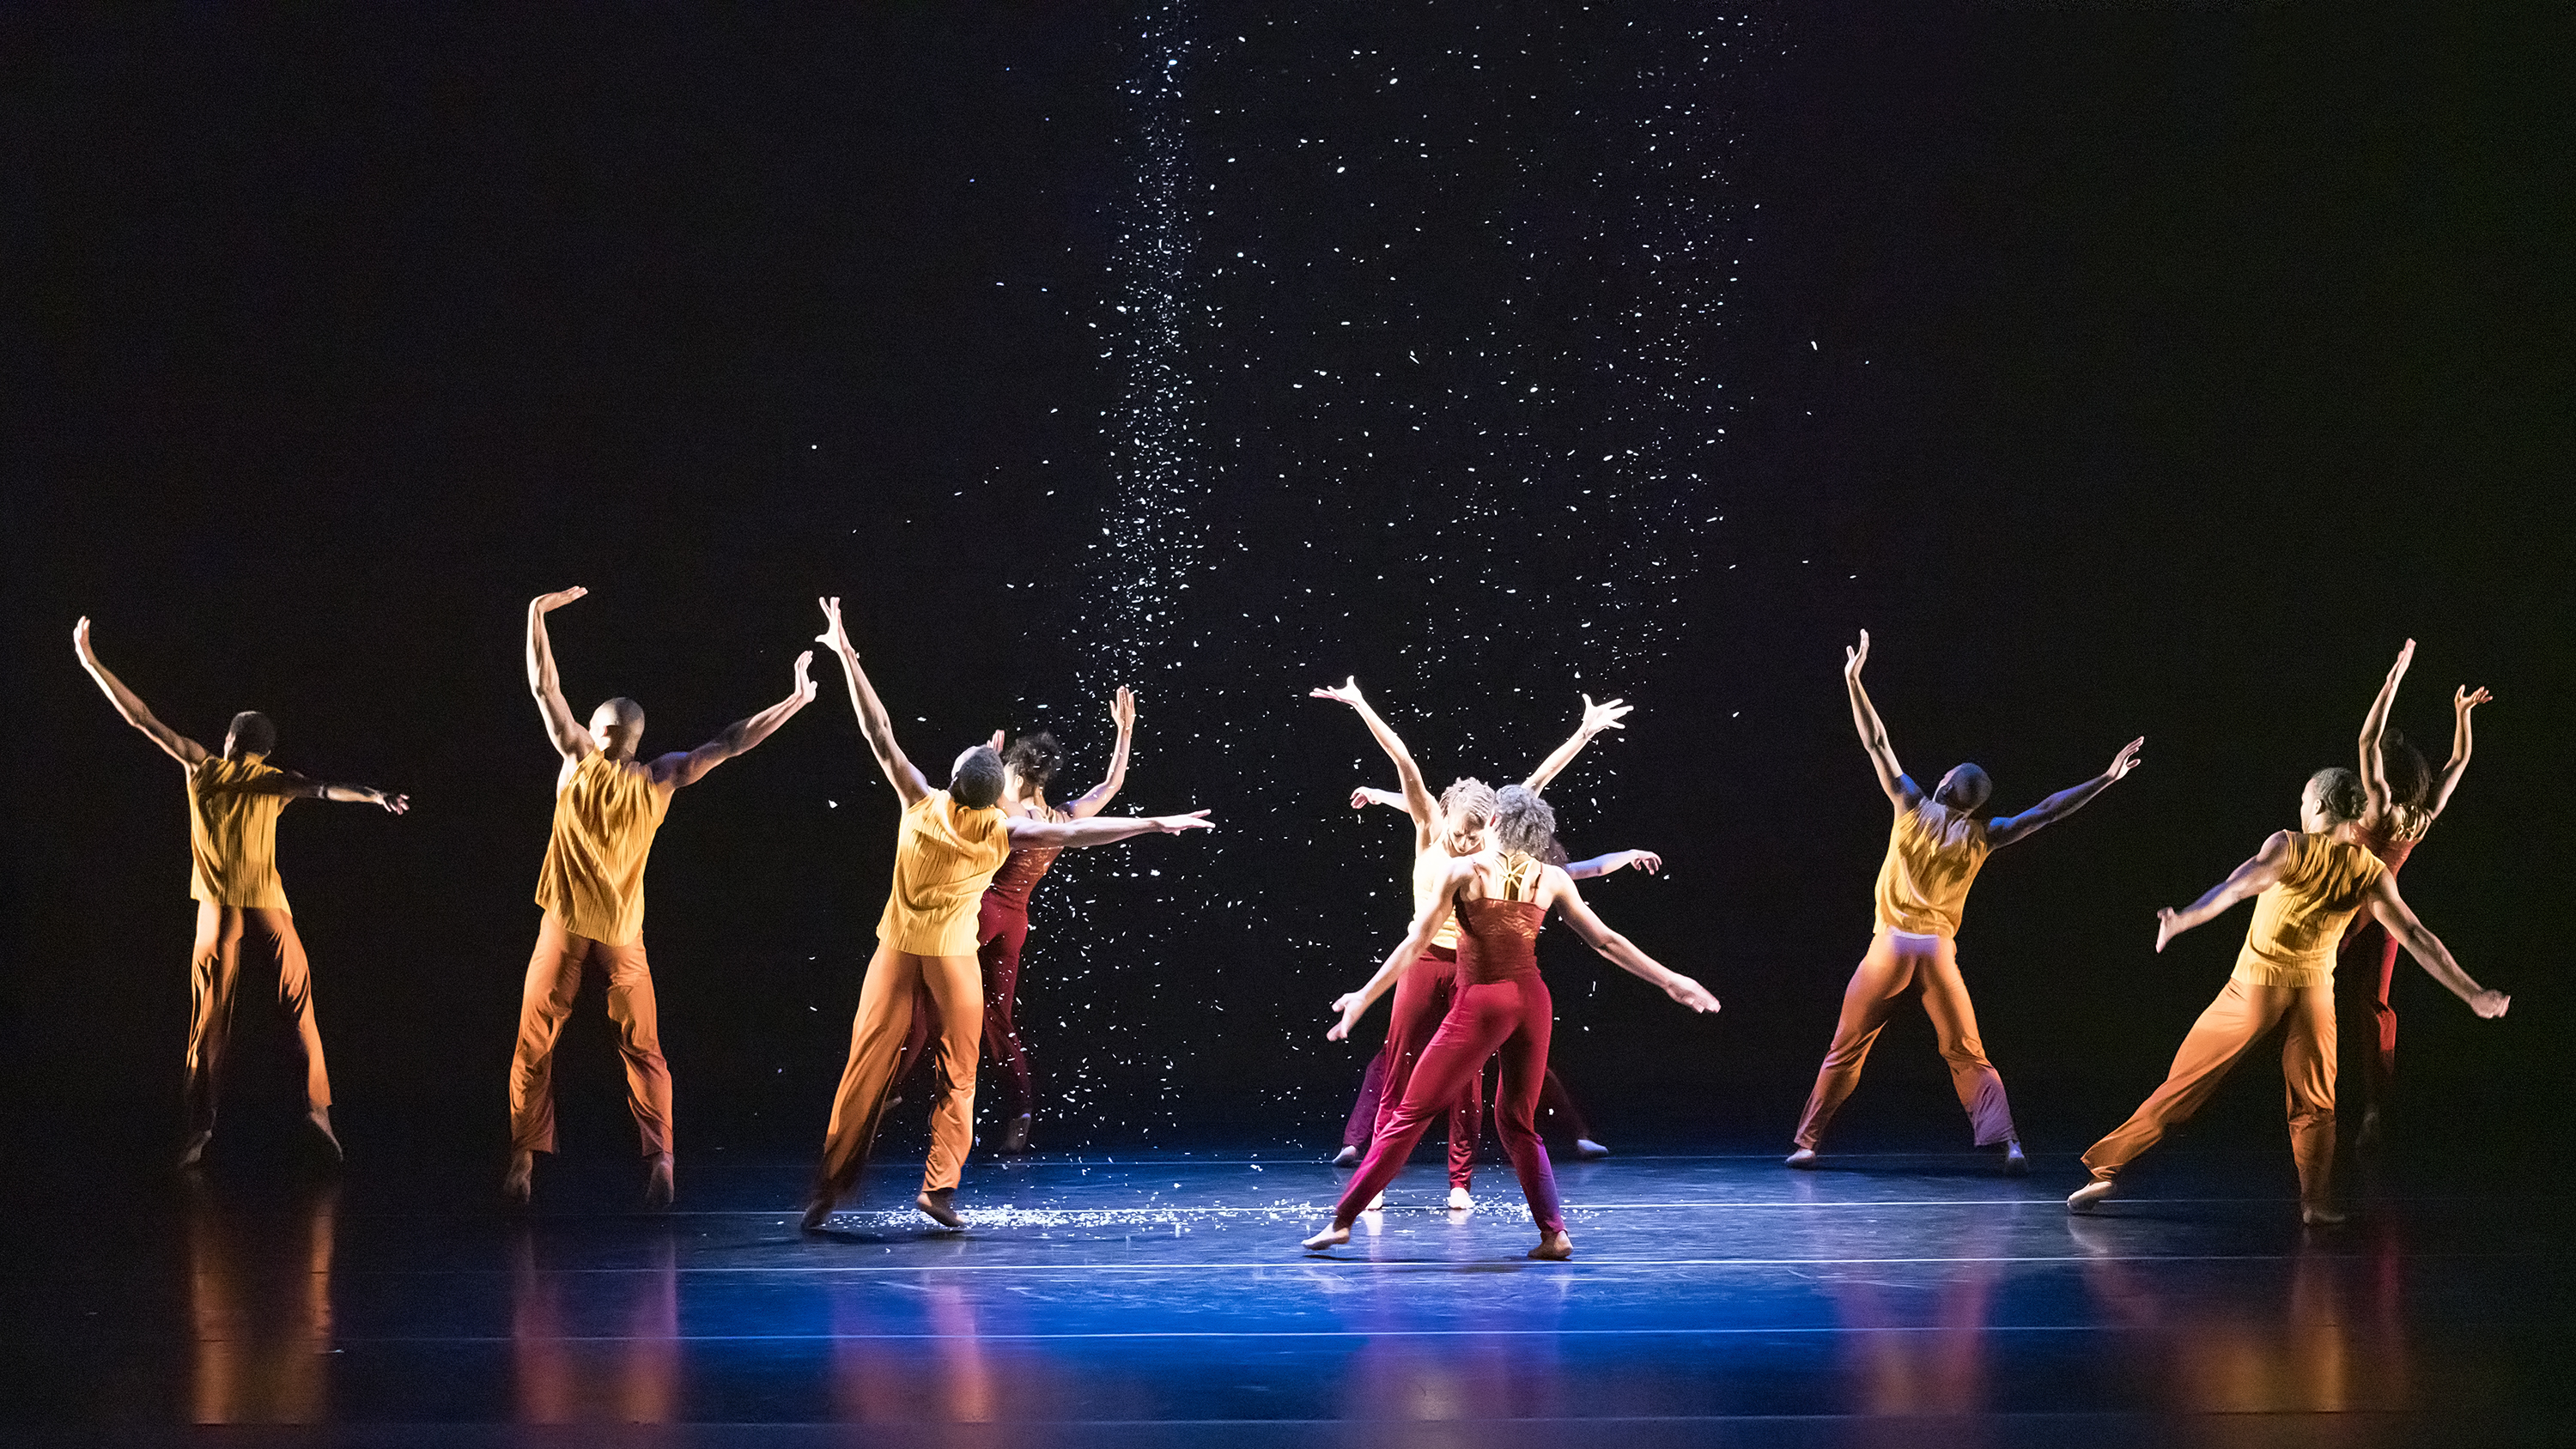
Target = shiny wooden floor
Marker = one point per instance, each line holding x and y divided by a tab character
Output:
1162	1299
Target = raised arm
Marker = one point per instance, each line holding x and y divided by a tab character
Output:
1426	923
675	770
1620	952
571	740
1122	713
129	704
909	786
2005	831
2391	910
1417	796
305	787
1596	718
1601	865
2252	878
1901	791
2374	725
1027	834
2463	700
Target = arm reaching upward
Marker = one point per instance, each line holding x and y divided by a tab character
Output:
1122	713
909	786
1426	923
2252	878
1601	865
305	787
676	770
179	747
2391	911
1417	796
571	740
2462	701
1027	834
1901	792
1596	718
2000	833
1620	952
2374	725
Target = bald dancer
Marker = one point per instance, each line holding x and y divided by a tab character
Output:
948	844
1934	850
233	804
608	804
2308	883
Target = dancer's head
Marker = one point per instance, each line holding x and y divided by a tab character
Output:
1963	789
1029	764
975	781
1523	821
1466	812
2333	796
617	727
251	734
2409	774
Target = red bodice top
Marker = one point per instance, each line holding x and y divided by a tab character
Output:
1498	936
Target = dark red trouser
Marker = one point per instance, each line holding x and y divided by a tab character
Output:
1513	1018
1423	995
1559	1120
1001	929
2365	969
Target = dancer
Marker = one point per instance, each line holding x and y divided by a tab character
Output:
2404	798
608	804
1002	918
1501	898
947	848
2309	883
1449	829
233	803
1934	851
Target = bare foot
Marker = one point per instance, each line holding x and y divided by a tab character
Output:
2320	1217
1015	1138
1460	1202
818	1210
1375	1203
1553	1247
1347	1157
657	1183
2368	1140
1804	1157
2082	1199
1331	1237
319	1119
192	1155
935	1206
1587	1149
519	1183
2015	1165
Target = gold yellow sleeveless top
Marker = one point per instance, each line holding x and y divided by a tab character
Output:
605	816
1430	869
232	836
2298	920
944	855
1933	854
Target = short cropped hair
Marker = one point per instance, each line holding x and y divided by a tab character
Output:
1468	795
253	733
1035	757
1523	821
2339	791
628	712
978	781
1969	787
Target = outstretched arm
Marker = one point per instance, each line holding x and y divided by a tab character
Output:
2003	832
1596	718
1426	923
1901	791
2374	725
1027	834
2252	878
1367	795
571	740
1417	796
305	787
1601	865
909	786
1621	953
676	770
129	704
2391	910
1122	713
2462	701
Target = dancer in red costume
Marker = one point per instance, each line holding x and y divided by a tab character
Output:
1501	898
1445	830
2404	797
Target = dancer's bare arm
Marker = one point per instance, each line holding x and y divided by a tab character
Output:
2463	700
2250	879
179	747
674	770
1596	718
1619	951
1122	713
1028	834
305	787
1601	865
2391	911
1426	924
570	739
909	786
2004	831
2374	725
1367	795
1417	796
1901	791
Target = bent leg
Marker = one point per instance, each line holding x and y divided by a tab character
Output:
1557	1115
1474	1028
956	983
1516	1091
1422	1000
545	1000
214	967
638	1019
1881	977
1954	1023
276	931
2308	1071
876	1037
2225	1032
1000	959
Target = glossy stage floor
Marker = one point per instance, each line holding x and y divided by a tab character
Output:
1162	1299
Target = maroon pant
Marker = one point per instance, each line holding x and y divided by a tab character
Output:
1423	995
2365	969
1513	1018
1559	1120
1001	929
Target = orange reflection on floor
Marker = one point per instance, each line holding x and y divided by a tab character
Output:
261	1341
626	1371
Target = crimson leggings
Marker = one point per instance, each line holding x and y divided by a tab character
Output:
1513	1018
1000	930
1423	995
1559	1120
2365	969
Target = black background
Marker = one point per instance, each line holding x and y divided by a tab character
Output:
2124	370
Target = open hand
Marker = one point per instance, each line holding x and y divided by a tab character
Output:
1348	691
395	804
1175	824
1122	710
1604	716
995	743
804	681
2168	926
2127	760
80	641
1690	993
2463	699
1350	1005
2490	1004
833	637
1645	860
548	603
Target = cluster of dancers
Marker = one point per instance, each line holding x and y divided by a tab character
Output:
1487	871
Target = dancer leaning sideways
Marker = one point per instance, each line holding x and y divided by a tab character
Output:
1444	831
233	803
1501	898
2308	884
1002	917
2403	797
608	804
1934	851
948	846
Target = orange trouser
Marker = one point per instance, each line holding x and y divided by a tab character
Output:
956	987
213	976
1900	965
554	981
2242	1016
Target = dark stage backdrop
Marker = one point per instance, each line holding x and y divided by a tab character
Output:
2122	370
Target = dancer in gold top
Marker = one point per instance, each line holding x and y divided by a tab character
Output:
608	804
1934	851
2310	883
947	847
233	803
